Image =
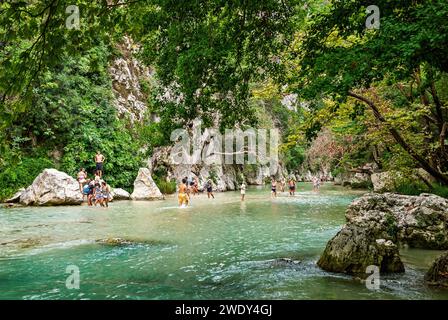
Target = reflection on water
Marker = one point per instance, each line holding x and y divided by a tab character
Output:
216	249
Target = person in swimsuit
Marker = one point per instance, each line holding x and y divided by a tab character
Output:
90	193
292	187
105	190
243	190
209	187
99	160
82	176
98	194
274	188
183	196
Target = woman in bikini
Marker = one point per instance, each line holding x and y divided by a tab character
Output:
82	176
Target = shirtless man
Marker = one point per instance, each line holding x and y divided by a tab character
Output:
183	196
99	159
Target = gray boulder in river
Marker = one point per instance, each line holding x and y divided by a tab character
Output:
437	275
145	188
377	223
353	249
52	187
120	194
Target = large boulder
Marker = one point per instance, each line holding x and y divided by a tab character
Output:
377	223
353	249
52	187
418	221
120	194
437	274
145	188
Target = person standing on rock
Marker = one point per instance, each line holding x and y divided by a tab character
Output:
99	160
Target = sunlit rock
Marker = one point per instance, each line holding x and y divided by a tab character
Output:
52	187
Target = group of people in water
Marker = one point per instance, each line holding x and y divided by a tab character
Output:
281	184
96	190
189	187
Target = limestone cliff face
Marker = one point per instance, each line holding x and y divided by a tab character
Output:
127	74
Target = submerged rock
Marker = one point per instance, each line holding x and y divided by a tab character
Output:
437	274
52	187
145	188
128	242
114	241
284	262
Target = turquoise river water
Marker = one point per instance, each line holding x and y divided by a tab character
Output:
216	249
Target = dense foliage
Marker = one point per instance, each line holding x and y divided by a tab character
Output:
361	95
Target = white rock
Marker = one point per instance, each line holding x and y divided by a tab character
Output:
52	187
16	197
145	188
120	194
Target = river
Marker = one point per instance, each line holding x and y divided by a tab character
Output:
217	249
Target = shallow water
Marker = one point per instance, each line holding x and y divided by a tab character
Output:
216	249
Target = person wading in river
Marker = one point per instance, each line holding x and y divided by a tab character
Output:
183	197
209	187
243	190
292	187
99	160
273	188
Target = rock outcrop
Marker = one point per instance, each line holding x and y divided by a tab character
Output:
16	197
377	223
437	274
120	194
145	188
127	74
418	221
52	187
353	249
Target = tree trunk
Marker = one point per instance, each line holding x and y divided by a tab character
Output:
440	177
